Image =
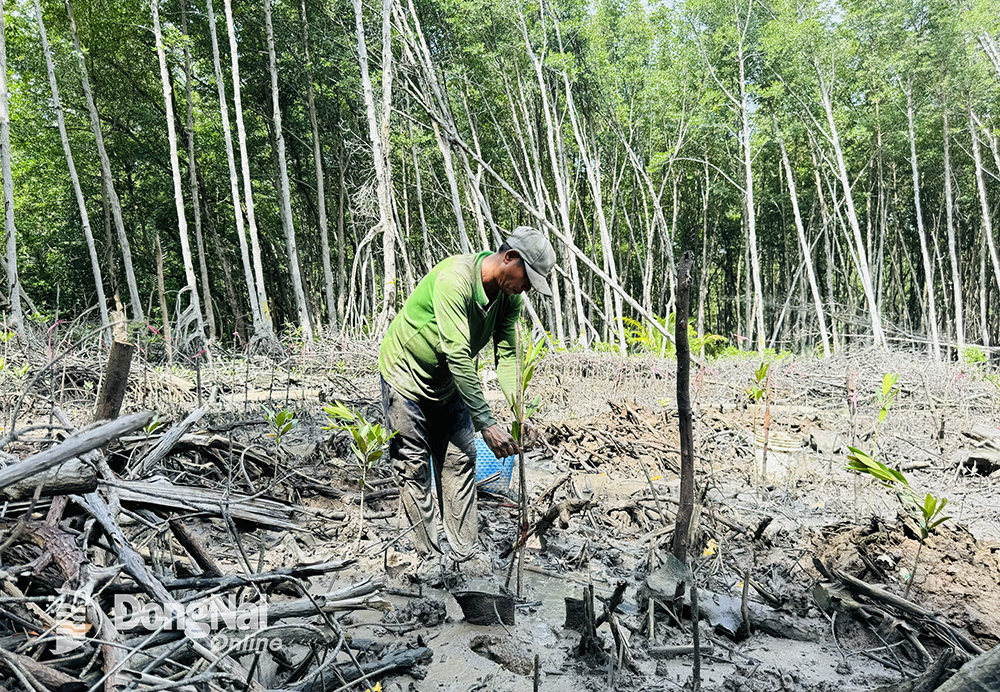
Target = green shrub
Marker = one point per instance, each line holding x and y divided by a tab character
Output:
642	337
972	354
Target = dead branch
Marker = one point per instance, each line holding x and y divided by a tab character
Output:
73	446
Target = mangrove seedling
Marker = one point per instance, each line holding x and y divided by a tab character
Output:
928	510
758	389
527	360
280	423
154	426
885	400
369	443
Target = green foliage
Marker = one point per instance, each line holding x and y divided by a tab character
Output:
757	388
656	85
931	514
927	510
280	422
530	355
609	347
860	461
18	372
734	353
888	395
369	441
154	426
642	337
972	355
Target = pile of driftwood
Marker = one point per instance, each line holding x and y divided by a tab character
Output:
960	665
97	592
626	432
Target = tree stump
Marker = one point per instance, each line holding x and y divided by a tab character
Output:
109	401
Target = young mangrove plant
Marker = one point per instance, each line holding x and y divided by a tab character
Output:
885	400
154	426
527	360
369	443
759	388
928	510
280	423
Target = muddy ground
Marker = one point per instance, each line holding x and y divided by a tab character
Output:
610	436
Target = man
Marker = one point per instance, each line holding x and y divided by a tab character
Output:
431	392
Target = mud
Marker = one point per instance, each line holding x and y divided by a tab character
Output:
610	434
610	423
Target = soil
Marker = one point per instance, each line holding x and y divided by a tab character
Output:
610	428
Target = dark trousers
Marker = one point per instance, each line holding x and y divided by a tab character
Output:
423	433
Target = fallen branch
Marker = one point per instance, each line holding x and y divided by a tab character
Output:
166	443
73	446
232	581
163	494
71	476
561	512
880	595
394	662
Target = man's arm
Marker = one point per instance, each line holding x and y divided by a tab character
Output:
451	296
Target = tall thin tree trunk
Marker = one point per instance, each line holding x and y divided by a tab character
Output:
750	211
804	245
265	327
656	200
984	201
227	135
527	137
161	291
284	198
703	274
456	203
378	134
953	252
193	175
81	204
13	282
561	317
864	270
592	165
386	204
925	253
984	292
341	248
324	235
227	273
561	181
109	242
428	262
175	170
116	207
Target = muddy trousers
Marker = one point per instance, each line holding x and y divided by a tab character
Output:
423	433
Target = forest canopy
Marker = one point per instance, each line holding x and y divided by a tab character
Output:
270	166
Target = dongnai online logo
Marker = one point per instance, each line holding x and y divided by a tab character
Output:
197	619
70	614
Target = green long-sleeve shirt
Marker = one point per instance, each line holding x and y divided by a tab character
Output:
427	353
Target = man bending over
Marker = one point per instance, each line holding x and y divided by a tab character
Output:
431	392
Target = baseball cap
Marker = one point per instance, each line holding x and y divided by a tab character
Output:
538	256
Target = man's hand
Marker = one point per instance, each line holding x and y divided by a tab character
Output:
499	441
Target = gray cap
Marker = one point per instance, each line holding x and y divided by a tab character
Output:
537	253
